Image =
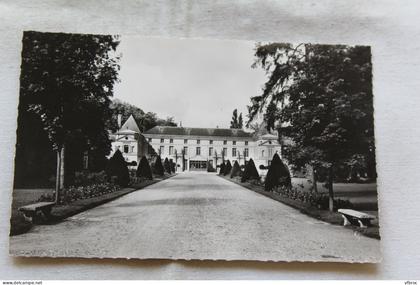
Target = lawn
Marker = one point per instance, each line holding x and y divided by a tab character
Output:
363	196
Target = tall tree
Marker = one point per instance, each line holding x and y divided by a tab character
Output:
66	81
237	121
321	97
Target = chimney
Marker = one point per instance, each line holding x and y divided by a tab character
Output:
119	117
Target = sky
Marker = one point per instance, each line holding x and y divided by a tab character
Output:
198	82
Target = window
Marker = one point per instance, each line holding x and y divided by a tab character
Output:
126	138
125	148
162	140
132	148
185	150
161	150
198	141
171	140
246	152
270	152
198	150
262	153
233	151
171	150
150	140
246	142
224	142
210	151
211	142
185	141
234	142
224	151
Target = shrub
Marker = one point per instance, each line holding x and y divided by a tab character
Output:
222	168
158	167
118	167
172	164
167	165
228	168
87	178
250	171
144	170
236	170
210	167
278	174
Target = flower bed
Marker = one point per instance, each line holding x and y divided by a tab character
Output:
74	193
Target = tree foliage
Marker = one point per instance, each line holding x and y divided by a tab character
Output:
278	174
158	167
65	85
321	97
237	121
144	170
117	167
250	171
144	120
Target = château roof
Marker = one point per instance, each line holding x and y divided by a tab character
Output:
198	132
130	124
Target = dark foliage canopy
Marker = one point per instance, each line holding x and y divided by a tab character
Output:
65	88
158	167
237	121
228	168
250	171
278	174
236	170
144	170
117	167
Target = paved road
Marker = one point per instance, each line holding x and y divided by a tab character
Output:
196	216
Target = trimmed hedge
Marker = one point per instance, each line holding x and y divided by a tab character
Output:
158	167
222	168
167	165
236	170
278	174
250	171
117	167
144	170
228	168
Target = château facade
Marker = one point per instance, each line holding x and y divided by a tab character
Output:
193	148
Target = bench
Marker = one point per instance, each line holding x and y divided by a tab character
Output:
352	217
37	212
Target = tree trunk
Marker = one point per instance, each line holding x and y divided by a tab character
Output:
62	170
57	177
330	189
315	187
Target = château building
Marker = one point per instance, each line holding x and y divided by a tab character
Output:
194	148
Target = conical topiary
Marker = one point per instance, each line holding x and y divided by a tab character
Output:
236	170
172	163
167	165
117	167
222	168
144	170
158	167
278	174
228	168
250	171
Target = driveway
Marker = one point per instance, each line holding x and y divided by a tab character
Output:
196	216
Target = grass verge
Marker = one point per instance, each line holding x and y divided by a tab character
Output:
323	215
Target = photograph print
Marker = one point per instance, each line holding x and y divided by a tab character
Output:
195	149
